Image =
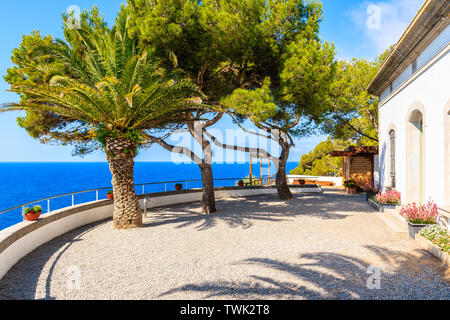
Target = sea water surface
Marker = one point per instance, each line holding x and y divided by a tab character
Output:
25	182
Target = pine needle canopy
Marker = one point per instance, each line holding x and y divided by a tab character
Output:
106	81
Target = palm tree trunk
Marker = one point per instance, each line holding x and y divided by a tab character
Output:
281	177
208	197
120	154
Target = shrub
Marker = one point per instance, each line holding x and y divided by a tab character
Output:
109	192
350	183
389	197
35	209
421	214
438	235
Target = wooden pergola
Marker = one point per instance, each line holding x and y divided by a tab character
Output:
358	164
260	157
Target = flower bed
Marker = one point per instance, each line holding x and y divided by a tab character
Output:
438	235
421	214
390	199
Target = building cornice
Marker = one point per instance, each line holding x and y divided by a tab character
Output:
429	22
442	53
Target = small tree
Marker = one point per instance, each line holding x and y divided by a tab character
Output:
319	162
103	84
286	108
235	45
354	111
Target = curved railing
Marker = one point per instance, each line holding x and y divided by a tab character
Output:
140	189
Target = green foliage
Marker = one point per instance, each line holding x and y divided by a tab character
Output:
35	209
354	112
318	162
102	133
109	192
258	102
99	79
244	54
350	183
295	89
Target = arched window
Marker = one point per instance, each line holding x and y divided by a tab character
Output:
392	157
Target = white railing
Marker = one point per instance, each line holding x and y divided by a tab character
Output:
187	184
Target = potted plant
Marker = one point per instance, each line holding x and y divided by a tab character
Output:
32	214
110	194
351	185
419	216
370	193
240	183
178	186
302	182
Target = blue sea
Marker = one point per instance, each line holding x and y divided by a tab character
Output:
26	182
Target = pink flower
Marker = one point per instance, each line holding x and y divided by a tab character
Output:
389	197
421	214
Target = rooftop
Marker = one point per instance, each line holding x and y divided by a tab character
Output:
353	151
429	22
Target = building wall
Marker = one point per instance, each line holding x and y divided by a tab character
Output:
428	91
425	56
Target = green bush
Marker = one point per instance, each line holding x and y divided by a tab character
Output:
438	235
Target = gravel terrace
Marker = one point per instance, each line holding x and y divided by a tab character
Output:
317	246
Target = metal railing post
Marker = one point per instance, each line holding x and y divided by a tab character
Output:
253	181
145	207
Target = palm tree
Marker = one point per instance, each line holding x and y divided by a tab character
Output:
113	86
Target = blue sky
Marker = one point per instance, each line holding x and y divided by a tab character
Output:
352	25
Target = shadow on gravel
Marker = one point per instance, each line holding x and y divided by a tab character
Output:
333	276
244	212
21	281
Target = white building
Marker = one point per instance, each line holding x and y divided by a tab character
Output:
414	112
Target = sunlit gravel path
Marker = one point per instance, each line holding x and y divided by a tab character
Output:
314	247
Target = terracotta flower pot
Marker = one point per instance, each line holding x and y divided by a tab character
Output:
352	190
110	196
240	184
32	216
178	188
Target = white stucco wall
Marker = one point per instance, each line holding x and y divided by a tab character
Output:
337	180
428	89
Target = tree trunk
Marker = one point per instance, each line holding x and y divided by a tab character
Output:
281	178
208	198
127	211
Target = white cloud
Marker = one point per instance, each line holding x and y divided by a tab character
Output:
383	22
